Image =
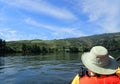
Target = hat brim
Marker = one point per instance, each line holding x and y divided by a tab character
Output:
109	69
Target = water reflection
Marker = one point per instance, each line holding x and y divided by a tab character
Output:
2	62
116	56
35	69
54	68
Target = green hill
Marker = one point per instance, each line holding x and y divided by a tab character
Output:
109	40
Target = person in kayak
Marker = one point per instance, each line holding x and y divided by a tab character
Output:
102	68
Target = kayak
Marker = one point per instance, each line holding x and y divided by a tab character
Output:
76	79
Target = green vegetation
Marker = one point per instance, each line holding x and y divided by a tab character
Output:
2	46
109	40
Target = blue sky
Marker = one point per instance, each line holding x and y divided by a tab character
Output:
57	19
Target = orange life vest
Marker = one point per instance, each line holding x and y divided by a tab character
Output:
92	80
100	80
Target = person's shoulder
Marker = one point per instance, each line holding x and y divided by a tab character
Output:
113	78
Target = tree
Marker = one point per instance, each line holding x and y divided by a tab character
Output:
35	49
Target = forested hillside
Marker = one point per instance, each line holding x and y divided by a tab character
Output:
109	40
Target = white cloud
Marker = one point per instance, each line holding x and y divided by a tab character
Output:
41	7
9	34
59	32
104	13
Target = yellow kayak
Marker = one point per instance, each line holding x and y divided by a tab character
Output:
76	79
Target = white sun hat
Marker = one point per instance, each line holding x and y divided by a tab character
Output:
98	61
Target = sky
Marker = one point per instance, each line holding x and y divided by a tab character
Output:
57	19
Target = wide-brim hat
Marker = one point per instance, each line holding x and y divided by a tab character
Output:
98	61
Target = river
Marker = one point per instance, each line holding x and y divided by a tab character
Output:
39	69
59	68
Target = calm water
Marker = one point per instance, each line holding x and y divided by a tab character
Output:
39	69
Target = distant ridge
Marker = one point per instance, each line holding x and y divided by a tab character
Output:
83	37
109	40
